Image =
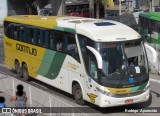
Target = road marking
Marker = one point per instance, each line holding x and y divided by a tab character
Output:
154	80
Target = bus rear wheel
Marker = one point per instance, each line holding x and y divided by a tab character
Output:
18	69
78	96
25	73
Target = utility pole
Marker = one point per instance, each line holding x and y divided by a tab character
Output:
151	6
120	7
97	8
91	8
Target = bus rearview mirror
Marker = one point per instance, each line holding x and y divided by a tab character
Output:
97	55
151	53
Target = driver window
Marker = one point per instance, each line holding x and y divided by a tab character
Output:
70	45
93	67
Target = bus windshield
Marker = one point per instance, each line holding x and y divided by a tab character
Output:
122	61
124	64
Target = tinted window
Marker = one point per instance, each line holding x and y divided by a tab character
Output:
55	40
70	45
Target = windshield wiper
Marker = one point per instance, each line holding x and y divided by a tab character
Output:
125	56
125	68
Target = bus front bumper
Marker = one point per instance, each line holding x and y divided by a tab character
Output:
113	101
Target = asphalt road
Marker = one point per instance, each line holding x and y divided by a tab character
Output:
153	104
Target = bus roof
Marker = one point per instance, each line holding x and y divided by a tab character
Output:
96	29
151	15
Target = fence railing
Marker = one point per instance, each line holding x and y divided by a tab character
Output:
38	98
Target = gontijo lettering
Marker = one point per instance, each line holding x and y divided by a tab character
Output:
26	49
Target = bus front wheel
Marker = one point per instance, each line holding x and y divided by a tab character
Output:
25	73
77	91
18	69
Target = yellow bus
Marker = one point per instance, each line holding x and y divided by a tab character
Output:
99	61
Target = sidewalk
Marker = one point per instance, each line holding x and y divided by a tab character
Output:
7	98
12	104
50	104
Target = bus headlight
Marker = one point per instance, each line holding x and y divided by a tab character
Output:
104	92
110	94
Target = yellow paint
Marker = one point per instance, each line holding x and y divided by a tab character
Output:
36	20
92	97
11	53
119	90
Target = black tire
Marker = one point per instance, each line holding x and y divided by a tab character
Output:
78	96
18	69
25	73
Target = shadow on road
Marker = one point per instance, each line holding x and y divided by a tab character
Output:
157	94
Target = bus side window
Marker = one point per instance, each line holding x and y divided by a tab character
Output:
8	29
38	37
41	37
21	33
51	40
31	38
16	31
46	38
59	41
83	43
27	34
11	31
71	46
35	36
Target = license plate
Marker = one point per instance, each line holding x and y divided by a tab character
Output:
129	101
